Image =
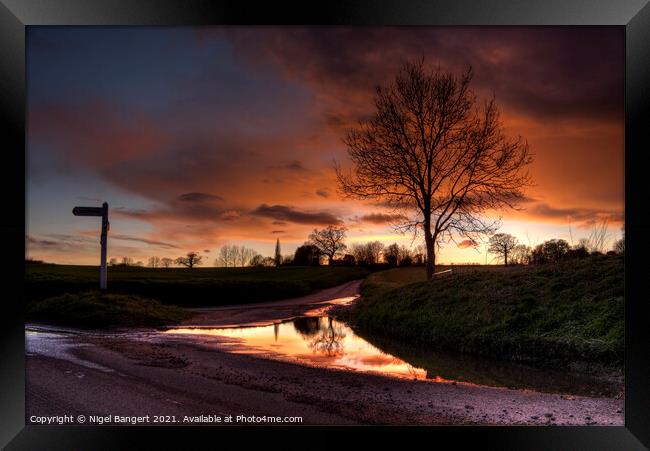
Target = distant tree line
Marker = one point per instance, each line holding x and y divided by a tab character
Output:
328	246
508	250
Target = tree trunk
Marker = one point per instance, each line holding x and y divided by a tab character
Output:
331	259
430	243
506	258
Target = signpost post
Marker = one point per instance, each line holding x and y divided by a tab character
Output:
103	212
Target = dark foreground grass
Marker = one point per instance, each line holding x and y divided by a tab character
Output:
93	309
189	287
550	314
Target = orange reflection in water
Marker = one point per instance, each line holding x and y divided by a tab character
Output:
318	341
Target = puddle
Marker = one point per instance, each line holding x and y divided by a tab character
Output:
325	342
58	346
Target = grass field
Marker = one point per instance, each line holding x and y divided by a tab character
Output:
93	309
188	287
394	278
547	314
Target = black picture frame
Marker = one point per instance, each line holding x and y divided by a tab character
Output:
633	15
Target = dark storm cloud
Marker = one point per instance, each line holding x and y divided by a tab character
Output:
198	197
382	218
546	73
189	212
293	165
585	215
60	242
290	214
41	242
144	241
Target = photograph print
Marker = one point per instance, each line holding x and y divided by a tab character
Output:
325	225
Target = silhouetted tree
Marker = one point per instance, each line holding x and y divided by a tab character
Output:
619	246
154	262
166	262
368	253
502	245
307	326
391	254
307	255
329	240
257	260
406	260
429	149
190	260
243	255
551	251
418	254
112	262
520	255
348	260
577	251
228	255
278	253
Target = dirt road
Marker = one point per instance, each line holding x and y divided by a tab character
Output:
158	374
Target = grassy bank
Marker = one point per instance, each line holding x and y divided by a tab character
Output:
548	314
188	287
93	309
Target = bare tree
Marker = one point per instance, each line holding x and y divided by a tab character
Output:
154	262
245	255
268	261
396	255
368	253
257	260
233	255
329	240
419	254
502	244
127	261
190	260
432	153
227	255
520	254
375	251
112	261
166	262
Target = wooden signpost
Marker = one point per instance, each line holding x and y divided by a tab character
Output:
103	212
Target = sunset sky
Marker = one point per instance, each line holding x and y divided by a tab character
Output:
198	137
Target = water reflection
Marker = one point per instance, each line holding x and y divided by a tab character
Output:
316	340
326	342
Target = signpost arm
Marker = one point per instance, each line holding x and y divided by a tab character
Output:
103	212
